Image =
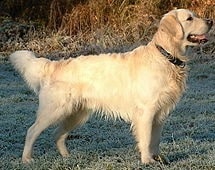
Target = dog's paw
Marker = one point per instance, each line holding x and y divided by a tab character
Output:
147	160
161	159
26	160
65	155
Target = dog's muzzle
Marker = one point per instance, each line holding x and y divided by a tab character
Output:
200	39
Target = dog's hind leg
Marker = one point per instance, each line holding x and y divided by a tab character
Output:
68	124
47	115
49	112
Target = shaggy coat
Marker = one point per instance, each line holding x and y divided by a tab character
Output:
141	86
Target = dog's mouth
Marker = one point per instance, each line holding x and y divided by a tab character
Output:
195	38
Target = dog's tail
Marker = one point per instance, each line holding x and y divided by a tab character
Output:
30	67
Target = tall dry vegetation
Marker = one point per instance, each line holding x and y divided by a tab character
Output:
121	15
104	23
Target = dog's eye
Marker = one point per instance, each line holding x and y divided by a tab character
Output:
189	18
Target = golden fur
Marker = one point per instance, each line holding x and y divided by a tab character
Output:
141	86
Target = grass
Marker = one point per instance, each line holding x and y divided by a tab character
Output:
188	138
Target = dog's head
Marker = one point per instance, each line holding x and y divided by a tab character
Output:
185	27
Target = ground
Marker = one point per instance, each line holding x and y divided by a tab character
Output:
188	139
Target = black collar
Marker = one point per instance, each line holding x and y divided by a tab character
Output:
170	57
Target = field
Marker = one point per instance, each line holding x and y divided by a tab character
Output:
188	138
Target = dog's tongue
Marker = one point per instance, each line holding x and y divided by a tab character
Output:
199	38
202	38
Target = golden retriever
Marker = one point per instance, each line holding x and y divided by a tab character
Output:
141	86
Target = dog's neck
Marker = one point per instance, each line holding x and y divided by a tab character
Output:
174	60
170	47
169	43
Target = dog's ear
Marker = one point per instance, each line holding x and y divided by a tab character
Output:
171	25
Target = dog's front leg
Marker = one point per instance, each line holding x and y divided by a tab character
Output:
157	128
142	128
156	135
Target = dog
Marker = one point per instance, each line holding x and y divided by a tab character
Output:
140	86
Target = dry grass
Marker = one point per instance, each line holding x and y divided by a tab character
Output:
86	26
122	16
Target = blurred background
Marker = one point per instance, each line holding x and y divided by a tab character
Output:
85	25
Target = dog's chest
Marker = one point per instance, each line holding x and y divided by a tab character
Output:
172	91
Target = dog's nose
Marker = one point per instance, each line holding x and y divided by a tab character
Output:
209	22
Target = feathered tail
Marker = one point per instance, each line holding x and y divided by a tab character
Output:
30	67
